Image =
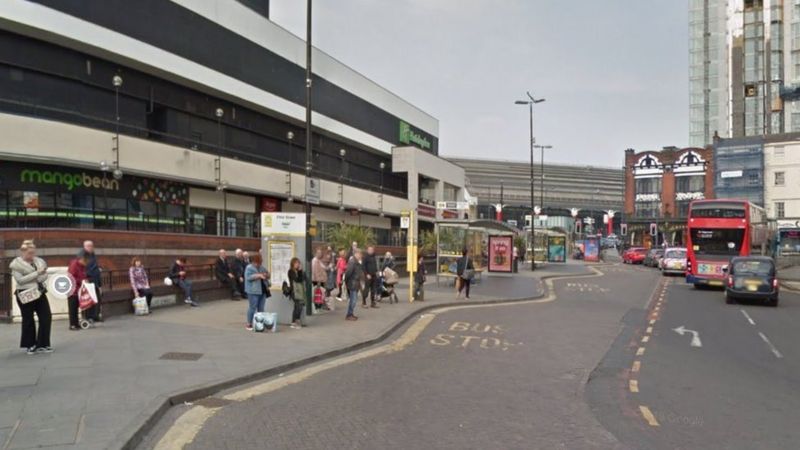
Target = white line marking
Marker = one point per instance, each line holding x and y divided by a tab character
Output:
771	347
747	316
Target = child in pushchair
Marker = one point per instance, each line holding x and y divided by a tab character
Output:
389	279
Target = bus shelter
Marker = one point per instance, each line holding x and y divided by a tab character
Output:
548	246
490	244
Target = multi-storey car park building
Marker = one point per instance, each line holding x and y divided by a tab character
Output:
165	128
592	190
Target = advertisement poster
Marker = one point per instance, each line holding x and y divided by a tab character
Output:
557	249
31	201
500	253
592	251
279	255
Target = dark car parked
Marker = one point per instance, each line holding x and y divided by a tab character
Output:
653	257
752	278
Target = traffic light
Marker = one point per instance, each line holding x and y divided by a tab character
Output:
528	221
578	226
653	229
623	229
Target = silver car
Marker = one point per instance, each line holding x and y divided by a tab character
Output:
674	261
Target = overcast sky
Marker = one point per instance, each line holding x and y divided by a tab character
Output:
613	72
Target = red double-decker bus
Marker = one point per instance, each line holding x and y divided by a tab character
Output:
719	230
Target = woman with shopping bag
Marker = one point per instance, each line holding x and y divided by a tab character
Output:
297	291
140	285
85	297
30	273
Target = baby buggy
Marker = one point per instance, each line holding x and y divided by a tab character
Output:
389	282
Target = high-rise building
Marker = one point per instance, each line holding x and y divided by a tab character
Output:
708	71
744	68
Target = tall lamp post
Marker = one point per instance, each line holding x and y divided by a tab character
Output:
530	102
541	175
342	154
221	185
117	82
382	166
309	253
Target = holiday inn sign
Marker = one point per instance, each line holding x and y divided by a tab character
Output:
409	136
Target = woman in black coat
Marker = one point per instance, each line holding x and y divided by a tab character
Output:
466	272
297	290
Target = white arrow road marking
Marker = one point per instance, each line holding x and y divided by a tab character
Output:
695	335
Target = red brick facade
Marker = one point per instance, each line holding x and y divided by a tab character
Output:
666	165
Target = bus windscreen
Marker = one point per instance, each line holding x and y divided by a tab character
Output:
717	241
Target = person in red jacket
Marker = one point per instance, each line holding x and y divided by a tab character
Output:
77	268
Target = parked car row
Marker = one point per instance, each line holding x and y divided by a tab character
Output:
671	260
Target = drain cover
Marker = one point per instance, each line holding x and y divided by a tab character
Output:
180	356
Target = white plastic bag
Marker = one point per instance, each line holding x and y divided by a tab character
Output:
264	321
140	306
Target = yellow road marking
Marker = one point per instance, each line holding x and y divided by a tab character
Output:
640	351
184	430
636	366
633	385
189	424
648	416
645	339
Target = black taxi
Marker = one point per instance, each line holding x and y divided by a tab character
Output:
752	278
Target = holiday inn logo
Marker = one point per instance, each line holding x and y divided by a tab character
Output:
70	180
409	136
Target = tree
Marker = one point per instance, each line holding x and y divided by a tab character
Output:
342	235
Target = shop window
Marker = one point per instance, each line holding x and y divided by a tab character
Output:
142	215
171	218
110	213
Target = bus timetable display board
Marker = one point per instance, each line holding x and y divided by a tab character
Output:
592	249
557	249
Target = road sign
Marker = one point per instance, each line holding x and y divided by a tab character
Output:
405	222
312	190
452	205
588	220
513	223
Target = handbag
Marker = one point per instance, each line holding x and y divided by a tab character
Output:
140	306
467	274
29	295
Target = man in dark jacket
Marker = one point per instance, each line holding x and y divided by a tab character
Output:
93	272
353	278
237	268
224	274
372	282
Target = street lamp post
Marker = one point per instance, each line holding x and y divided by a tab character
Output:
541	175
530	102
309	253
382	166
342	154
221	185
117	82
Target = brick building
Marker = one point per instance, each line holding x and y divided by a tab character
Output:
659	185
